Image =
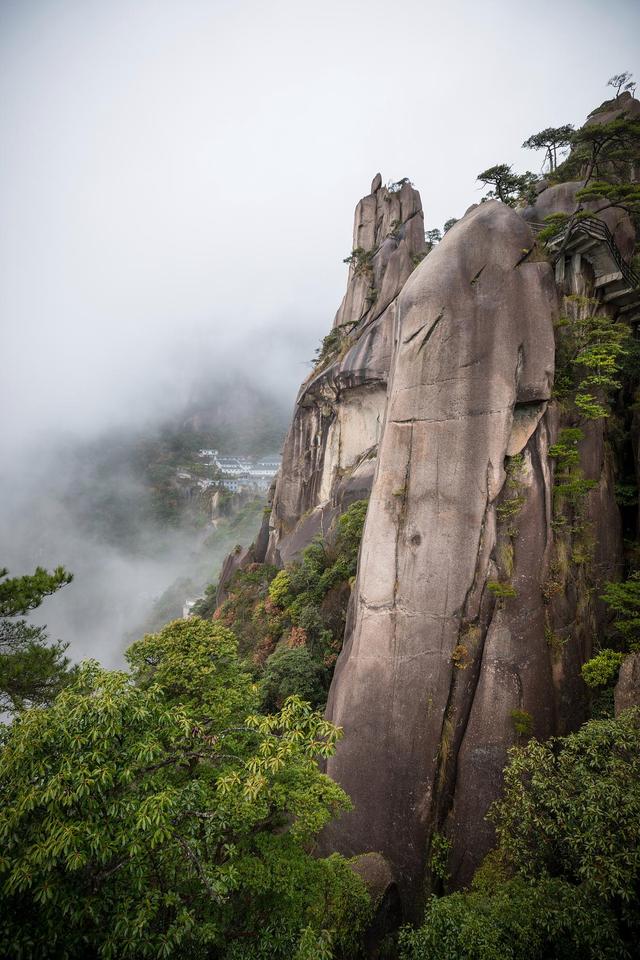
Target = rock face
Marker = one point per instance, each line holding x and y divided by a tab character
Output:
476	600
466	621
627	689
329	454
432	658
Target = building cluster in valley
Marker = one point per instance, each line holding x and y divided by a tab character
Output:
235	474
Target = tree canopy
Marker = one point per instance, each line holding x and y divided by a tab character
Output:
506	185
152	814
32	669
551	140
563	881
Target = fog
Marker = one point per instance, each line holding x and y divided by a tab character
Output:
177	183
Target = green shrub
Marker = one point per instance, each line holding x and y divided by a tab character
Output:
602	670
522	722
563	881
361	260
519	921
502	591
280	590
570	809
350	528
291	671
439	858
624	600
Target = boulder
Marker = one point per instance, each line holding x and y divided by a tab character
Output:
627	689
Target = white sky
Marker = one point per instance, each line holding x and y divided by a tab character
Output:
177	179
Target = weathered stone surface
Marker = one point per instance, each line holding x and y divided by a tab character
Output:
432	391
376	183
475	340
627	689
376	873
379	880
339	412
234	561
623	106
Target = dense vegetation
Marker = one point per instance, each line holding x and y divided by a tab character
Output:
154	814
174	807
565	876
290	623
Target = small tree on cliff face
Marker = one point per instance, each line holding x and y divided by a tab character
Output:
620	81
507	186
551	140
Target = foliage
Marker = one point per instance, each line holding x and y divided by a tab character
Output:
602	152
591	353
350	528
551	140
624	600
449	223
196	664
622	81
311	593
602	670
563	881
570	484
507	186
563	806
135	821
248	611
332	344
301	606
18	595
518	921
502	591
601	347
32	669
625	196
439	856
511	506
361	260
522	722
280	591
555	224
292	671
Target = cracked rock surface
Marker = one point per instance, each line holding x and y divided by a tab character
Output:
472	369
330	449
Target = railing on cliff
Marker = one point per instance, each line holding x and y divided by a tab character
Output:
616	282
598	230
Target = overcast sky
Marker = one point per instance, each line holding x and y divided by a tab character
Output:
178	177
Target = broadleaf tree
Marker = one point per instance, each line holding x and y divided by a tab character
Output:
152	814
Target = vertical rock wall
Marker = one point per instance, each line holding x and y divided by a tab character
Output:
448	644
476	602
329	453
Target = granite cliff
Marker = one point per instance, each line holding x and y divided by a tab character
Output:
492	520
